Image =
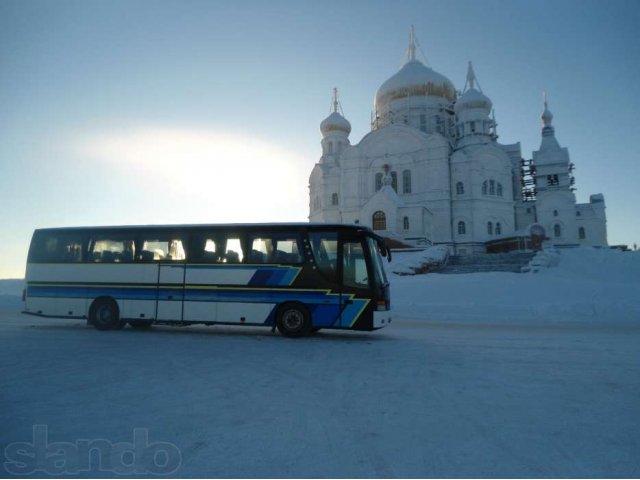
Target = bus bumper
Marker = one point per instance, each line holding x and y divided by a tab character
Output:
381	319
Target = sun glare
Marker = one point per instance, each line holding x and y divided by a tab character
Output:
214	176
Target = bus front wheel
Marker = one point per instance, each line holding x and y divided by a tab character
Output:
293	320
105	315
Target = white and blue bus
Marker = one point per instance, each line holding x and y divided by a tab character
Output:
296	277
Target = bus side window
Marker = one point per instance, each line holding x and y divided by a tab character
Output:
169	250
109	250
205	249
324	246
176	251
210	252
354	266
233	251
52	248
286	250
261	250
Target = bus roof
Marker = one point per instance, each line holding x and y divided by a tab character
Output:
205	226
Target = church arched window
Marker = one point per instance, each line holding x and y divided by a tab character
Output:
492	187
379	221
460	188
394	181
498	228
462	228
330	147
499	189
406	181
316	203
405	223
490	228
581	233
557	230
555	213
334	199
484	187
378	181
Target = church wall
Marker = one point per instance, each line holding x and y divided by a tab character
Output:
558	208
487	194
591	217
419	222
525	214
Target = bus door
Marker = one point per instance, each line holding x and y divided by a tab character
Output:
170	293
354	277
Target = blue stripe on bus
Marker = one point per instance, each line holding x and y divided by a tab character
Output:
265	275
324	306
274	276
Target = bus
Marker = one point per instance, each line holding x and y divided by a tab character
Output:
298	278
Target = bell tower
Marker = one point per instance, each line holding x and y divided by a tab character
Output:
555	202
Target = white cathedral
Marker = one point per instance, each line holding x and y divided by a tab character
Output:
431	171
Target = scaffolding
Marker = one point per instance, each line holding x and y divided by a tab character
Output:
528	180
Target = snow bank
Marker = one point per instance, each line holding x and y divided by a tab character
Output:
412	262
11	287
587	286
11	293
549	257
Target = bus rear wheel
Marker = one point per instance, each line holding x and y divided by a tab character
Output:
293	320
105	315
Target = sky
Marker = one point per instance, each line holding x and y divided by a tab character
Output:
140	112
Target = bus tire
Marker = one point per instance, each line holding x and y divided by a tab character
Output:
105	314
293	320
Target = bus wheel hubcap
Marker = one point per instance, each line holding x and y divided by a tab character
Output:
104	314
292	319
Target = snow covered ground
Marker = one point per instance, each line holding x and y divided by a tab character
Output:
480	375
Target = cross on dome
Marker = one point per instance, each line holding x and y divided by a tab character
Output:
472	80
471	76
547	116
411	53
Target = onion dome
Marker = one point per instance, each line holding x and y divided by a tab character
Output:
335	122
473	98
414	80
